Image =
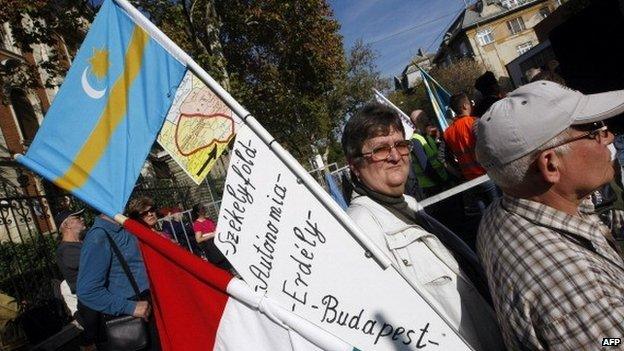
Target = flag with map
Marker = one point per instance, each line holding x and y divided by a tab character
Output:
198	127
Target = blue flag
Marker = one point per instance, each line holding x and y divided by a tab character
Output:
334	191
439	98
105	118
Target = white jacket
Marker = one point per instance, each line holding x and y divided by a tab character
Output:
426	262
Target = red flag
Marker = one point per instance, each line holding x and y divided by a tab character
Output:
188	294
200	307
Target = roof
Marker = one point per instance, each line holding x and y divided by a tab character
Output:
471	16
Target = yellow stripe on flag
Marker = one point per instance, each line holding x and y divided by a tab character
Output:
114	112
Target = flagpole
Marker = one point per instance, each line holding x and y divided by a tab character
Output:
257	128
283	155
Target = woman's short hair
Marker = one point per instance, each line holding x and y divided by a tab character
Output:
372	120
137	205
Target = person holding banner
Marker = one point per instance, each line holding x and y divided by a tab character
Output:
436	261
143	210
103	283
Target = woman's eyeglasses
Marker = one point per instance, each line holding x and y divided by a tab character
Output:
146	212
382	152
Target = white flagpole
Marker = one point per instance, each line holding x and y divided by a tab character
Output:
262	133
389	103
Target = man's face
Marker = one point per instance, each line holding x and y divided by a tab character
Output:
587	165
75	224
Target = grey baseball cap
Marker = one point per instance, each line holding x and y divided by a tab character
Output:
533	114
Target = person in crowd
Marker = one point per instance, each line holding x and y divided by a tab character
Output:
71	227
429	170
174	225
204	229
490	91
143	210
460	143
102	283
378	155
555	275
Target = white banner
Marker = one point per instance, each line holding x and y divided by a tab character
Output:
285	243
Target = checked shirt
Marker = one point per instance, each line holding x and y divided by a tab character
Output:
556	281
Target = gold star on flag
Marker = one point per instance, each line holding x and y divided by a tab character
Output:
99	63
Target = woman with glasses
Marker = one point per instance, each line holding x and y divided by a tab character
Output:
142	209
444	270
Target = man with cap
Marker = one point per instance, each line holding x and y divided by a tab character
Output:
70	225
556	279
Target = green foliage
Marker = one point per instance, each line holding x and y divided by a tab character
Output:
352	92
192	25
362	77
25	267
285	60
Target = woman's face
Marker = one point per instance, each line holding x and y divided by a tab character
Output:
148	215
386	176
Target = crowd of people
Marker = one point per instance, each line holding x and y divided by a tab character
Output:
104	270
544	271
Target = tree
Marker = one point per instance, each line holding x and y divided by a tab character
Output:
458	77
362	77
285	60
355	90
194	26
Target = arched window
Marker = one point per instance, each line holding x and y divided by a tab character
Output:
25	113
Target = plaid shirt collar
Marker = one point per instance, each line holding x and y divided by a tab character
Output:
586	225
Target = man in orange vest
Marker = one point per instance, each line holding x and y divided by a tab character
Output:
460	141
459	137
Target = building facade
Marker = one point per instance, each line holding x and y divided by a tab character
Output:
494	32
411	77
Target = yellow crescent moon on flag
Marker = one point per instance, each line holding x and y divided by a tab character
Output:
88	89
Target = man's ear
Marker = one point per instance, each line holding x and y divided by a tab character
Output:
548	163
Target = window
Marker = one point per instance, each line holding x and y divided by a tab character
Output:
524	47
544	12
516	25
25	113
485	36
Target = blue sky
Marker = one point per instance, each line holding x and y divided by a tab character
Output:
395	28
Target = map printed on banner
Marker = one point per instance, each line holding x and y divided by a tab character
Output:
198	127
286	244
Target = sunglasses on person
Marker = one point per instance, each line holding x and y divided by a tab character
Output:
381	153
148	211
596	131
